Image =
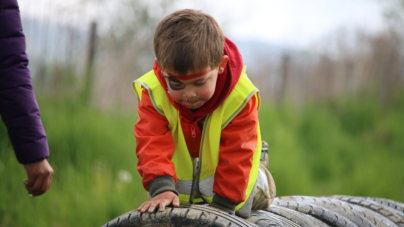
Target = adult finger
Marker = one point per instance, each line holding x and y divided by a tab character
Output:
30	181
36	188
48	181
45	184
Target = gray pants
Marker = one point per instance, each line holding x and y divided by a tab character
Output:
262	195
264	190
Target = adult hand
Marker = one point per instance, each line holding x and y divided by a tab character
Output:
39	177
161	200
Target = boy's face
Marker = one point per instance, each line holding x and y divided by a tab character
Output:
193	93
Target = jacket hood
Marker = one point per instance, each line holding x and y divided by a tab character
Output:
224	85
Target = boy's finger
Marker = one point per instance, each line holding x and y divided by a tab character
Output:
163	205
144	207
152	207
176	202
143	204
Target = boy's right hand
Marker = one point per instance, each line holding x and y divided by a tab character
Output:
161	200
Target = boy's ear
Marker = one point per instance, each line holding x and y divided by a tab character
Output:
223	63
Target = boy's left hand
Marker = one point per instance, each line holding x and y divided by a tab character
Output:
161	200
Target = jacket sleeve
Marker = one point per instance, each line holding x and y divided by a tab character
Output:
18	107
237	146
154	149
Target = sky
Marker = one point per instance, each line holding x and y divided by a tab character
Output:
292	23
295	23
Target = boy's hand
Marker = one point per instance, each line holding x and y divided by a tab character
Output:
39	177
161	200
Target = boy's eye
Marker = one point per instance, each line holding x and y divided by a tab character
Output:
176	85
200	83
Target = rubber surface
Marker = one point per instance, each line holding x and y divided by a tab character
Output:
295	216
186	215
329	217
387	202
290	223
375	218
290	211
268	220
337	206
393	204
394	215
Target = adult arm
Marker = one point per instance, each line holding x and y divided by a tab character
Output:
18	107
237	147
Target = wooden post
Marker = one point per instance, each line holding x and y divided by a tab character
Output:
91	51
285	71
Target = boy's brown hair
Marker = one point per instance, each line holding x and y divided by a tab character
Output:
188	40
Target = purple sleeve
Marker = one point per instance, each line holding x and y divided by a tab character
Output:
18	107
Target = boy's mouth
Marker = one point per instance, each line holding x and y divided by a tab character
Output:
190	100
192	104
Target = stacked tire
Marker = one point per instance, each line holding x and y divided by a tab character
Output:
291	211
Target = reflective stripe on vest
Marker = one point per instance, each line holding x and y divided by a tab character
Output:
214	123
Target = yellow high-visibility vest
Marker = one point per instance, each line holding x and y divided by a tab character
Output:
214	123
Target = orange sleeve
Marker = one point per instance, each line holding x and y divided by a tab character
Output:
154	143
237	146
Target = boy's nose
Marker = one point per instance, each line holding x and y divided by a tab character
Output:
189	93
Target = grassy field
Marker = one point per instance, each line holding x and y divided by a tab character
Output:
353	147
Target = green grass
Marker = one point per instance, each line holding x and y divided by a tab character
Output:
353	147
88	151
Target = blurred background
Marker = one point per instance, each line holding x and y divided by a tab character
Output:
330	74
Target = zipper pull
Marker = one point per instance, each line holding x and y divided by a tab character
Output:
193	133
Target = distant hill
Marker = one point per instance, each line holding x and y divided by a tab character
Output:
251	49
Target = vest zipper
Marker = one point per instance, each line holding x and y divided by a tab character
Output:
199	170
195	165
193	134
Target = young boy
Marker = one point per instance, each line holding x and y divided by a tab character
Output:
198	137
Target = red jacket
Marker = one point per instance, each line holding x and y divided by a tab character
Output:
155	145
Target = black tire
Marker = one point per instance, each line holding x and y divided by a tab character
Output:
297	217
386	202
335	206
289	223
392	214
186	215
390	203
264	220
329	217
371	215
